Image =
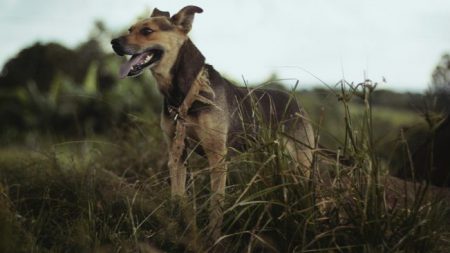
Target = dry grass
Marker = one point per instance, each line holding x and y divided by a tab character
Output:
94	196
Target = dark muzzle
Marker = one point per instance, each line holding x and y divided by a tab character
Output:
117	46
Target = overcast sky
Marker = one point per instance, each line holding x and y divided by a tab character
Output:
401	40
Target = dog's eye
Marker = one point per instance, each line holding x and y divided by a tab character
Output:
146	31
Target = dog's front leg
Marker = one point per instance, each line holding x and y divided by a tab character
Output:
177	155
212	131
216	150
218	172
177	172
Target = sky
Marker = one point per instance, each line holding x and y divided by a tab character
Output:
304	40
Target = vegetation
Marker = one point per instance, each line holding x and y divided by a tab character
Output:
83	169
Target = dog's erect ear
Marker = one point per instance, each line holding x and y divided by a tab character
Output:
188	65
185	17
158	13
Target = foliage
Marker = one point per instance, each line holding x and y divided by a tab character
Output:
66	198
49	90
441	75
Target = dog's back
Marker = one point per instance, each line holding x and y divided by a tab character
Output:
252	111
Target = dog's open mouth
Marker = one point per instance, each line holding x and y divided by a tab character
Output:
138	62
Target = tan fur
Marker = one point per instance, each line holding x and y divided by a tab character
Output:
171	40
208	129
211	132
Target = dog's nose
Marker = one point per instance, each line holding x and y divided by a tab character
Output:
116	45
115	42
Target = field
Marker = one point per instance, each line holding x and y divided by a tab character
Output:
83	169
110	193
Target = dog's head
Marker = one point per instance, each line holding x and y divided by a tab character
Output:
155	42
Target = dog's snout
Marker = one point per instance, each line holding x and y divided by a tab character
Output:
117	46
115	41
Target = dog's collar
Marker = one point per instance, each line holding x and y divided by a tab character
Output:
199	97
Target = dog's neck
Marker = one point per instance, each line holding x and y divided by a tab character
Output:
174	83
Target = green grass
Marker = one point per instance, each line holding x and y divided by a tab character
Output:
113	195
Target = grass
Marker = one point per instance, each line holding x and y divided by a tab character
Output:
114	196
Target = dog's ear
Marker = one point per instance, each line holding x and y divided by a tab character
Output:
188	65
185	17
158	13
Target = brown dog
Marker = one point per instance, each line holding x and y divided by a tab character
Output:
200	105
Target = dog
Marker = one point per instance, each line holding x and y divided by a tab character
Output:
201	105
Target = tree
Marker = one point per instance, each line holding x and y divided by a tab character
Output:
440	85
441	75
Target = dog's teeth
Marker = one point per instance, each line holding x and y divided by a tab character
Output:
148	58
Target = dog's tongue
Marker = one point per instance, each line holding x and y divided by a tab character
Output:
126	67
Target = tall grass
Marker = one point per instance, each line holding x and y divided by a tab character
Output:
115	197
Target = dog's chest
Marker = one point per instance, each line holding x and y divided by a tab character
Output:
192	138
201	130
